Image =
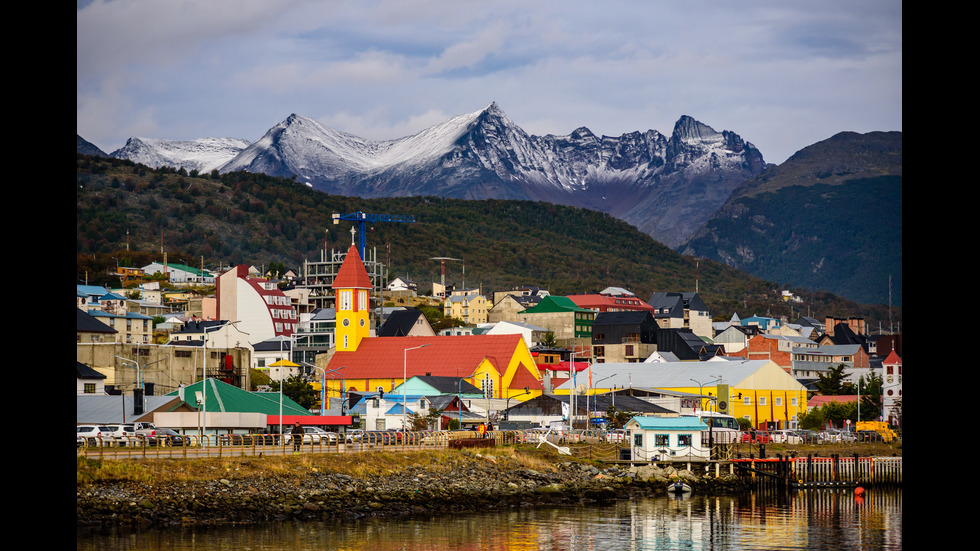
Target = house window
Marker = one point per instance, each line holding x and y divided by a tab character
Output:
779	401
345	300
684	440
747	401
661	440
89	388
362	301
762	401
629	349
599	351
638	440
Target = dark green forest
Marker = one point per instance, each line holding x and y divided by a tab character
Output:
130	214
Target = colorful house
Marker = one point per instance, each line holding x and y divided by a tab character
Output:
656	438
500	365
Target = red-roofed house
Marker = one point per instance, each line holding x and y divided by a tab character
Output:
501	365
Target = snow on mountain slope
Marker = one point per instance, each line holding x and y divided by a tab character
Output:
203	155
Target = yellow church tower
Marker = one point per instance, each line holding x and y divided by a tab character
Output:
352	288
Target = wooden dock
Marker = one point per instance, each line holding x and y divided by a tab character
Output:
821	472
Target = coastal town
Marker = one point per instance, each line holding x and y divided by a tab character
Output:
375	354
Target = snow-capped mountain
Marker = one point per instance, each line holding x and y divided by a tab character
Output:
666	186
203	155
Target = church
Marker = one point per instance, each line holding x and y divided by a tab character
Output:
500	365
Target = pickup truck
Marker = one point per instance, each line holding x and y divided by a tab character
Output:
144	430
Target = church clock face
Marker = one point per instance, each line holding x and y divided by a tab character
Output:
346	322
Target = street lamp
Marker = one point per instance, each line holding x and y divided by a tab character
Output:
404	381
595	402
139	373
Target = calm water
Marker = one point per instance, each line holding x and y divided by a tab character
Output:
810	519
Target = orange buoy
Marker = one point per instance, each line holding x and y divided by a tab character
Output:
858	491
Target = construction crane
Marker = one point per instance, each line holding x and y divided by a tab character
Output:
363	218
443	259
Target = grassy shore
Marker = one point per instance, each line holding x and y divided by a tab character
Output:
363	465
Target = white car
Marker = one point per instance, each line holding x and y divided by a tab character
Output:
785	437
92	435
314	435
122	434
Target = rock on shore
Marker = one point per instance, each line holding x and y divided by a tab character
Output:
475	482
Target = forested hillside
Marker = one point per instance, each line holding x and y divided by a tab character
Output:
255	219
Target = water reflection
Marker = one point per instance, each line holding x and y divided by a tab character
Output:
810	519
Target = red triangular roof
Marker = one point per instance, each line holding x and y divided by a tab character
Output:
352	274
523	378
444	356
892	359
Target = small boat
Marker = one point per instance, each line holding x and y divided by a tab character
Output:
678	488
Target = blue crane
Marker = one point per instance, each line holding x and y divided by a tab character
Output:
362	218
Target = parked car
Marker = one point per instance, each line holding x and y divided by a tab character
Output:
616	435
868	436
381	437
756	437
354	435
122	434
92	435
311	435
167	437
785	437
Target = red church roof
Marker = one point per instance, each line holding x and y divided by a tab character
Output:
352	274
444	356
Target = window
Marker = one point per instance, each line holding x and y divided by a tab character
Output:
89	388
684	440
661	440
779	401
362	304
638	440
762	401
345	301
747	401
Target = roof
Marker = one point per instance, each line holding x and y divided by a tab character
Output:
448	385
448	356
83	371
352	274
680	374
101	408
224	397
597	302
819	400
668	423
399	323
634	318
552	303
84	323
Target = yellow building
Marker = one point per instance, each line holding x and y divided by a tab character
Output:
759	390
471	307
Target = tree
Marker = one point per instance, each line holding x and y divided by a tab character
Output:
870	397
832	384
549	340
616	418
298	390
417	422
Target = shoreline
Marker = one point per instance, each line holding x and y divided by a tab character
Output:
253	491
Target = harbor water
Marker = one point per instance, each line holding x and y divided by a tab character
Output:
837	519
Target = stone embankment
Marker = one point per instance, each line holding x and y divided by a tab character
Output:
473	482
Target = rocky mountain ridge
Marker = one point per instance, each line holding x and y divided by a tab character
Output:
666	186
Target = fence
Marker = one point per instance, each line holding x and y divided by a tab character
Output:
821	472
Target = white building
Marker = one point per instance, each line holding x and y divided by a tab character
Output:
256	304
667	439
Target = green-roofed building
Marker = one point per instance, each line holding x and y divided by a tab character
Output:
562	317
228	409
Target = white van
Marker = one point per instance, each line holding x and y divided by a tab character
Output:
785	436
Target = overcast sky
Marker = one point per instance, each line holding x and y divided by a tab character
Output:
781	74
